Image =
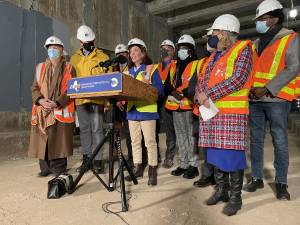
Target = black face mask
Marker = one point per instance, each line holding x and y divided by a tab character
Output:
88	46
213	41
164	53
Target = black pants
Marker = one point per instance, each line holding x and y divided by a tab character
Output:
55	166
167	117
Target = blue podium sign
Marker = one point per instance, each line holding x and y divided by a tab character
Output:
95	84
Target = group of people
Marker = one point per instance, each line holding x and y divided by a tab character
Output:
249	82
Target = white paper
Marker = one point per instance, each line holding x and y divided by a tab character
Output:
206	113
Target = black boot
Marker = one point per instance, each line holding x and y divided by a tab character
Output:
178	172
85	159
152	174
191	173
98	166
235	200
253	185
282	192
205	181
221	193
137	171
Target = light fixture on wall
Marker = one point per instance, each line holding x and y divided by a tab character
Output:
293	11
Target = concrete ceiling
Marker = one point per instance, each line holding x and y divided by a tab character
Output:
194	16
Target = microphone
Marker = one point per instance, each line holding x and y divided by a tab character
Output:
119	59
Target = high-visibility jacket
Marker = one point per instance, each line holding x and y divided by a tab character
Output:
297	89
64	115
170	70
88	66
144	106
236	102
271	62
186	104
202	68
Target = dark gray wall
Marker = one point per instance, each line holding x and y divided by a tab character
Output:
21	42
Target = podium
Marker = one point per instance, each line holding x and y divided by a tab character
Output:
113	87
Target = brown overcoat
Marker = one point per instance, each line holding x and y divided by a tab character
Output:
58	136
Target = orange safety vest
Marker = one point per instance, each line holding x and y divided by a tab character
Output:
171	67
186	104
236	102
64	115
271	62
202	68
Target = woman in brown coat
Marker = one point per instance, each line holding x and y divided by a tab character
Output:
51	138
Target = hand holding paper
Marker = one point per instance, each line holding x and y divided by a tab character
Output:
208	113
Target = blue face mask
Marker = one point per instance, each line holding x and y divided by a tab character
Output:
262	27
53	53
213	41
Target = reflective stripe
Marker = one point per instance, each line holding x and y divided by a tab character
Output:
240	93
278	55
267	76
232	104
288	90
65	114
232	58
258	84
194	66
38	72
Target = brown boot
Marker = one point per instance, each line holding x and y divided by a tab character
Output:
137	171
152	173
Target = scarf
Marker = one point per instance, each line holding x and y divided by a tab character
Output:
50	89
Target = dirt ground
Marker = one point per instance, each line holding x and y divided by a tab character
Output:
23	198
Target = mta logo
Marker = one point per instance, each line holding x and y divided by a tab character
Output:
75	85
114	82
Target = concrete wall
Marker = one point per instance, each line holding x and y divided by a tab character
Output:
114	21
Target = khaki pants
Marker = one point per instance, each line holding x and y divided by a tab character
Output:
148	128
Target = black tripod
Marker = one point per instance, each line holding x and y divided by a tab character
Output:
111	133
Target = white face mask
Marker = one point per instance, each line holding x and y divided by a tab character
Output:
183	54
209	49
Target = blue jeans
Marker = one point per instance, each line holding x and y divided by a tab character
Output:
277	115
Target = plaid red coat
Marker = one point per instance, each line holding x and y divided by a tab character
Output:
227	131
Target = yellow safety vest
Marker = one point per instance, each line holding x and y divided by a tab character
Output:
144	106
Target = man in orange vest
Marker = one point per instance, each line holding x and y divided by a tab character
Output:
276	65
167	67
180	102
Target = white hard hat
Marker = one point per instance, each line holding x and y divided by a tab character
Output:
186	39
85	34
226	22
137	41
267	6
209	33
52	40
168	42
121	48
